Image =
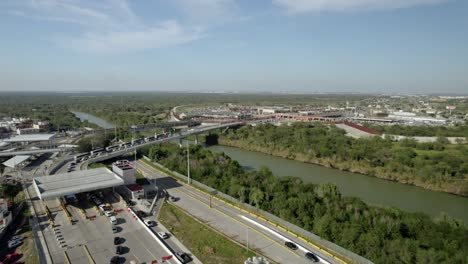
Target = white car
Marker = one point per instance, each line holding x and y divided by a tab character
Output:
14	243
16	238
162	235
108	213
149	223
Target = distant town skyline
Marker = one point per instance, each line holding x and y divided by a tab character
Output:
309	46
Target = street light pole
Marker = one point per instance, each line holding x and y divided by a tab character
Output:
247	239
133	140
188	163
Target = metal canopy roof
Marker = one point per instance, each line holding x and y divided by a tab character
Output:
30	138
16	160
75	182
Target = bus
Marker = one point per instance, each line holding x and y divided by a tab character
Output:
112	148
81	156
96	152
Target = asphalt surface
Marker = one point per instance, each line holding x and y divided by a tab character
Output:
234	223
93	239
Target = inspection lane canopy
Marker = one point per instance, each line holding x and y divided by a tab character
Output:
30	138
16	160
75	182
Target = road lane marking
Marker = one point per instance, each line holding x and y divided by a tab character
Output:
91	260
324	251
305	250
250	227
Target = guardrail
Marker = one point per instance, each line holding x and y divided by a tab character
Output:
304	235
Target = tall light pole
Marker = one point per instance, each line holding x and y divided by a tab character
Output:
188	163
247	239
133	141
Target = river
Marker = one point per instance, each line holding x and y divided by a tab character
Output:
370	189
93	119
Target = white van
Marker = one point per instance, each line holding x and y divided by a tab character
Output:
113	220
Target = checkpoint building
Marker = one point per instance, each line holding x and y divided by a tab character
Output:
59	185
65	184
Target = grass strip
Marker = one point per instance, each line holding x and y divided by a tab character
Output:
208	245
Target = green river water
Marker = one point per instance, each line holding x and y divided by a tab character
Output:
370	189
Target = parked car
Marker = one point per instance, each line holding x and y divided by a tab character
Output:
149	223
14	243
115	260
108	213
141	214
114	229
118	240
119	250
290	245
15	238
311	256
12	257
163	235
184	257
173	199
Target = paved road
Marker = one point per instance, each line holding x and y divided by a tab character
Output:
231	221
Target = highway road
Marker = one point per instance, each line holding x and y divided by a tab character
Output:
234	223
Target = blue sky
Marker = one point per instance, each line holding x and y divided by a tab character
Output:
380	46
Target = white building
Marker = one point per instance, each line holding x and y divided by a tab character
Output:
125	170
5	216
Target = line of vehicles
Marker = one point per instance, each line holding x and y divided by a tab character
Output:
123	145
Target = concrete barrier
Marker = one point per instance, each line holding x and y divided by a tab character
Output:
339	253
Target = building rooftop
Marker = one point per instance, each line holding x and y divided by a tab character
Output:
30	138
123	164
75	182
16	160
134	187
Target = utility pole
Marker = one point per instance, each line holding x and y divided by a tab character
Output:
133	140
188	163
247	239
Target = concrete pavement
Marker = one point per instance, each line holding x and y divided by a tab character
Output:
229	221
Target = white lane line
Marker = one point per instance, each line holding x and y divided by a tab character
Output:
280	236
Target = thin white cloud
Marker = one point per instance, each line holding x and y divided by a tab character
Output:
106	26
168	33
305	6
210	12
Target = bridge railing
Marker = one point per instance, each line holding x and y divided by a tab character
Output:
348	256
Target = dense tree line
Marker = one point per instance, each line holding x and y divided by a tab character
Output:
438	165
423	131
383	235
135	108
46	107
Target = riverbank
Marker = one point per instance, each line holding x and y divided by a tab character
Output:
454	187
93	119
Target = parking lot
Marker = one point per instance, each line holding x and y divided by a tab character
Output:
82	234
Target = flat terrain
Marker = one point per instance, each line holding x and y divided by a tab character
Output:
206	244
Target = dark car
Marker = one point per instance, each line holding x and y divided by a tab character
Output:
118	240
119	250
115	260
311	256
141	214
184	257
290	245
